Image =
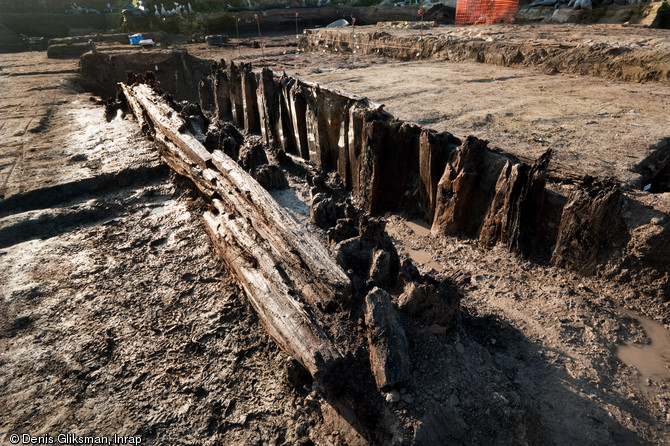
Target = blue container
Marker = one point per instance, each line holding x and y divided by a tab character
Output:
135	39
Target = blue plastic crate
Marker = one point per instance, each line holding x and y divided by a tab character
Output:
135	39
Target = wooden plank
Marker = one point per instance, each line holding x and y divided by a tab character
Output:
298	239
288	275
284	318
165	119
170	152
334	283
389	350
316	292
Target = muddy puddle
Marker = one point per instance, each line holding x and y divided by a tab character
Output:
651	360
423	258
419	256
419	227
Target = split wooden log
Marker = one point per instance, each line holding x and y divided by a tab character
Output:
222	95
284	318
309	267
189	162
591	221
434	151
298	111
268	108
286	135
235	83
556	173
391	149
466	188
162	119
252	122
289	276
514	215
206	95
389	350
240	188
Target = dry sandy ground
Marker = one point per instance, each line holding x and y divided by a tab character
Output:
596	126
117	317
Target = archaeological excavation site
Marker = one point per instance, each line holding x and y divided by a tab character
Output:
360	223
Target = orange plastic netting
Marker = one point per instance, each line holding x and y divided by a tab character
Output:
485	12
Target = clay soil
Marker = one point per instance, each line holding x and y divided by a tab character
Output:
117	316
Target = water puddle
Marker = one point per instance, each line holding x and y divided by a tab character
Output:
419	256
289	199
419	227
651	360
423	258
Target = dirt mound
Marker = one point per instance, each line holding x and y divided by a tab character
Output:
176	71
442	14
642	59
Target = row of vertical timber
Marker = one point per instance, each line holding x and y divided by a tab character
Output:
462	188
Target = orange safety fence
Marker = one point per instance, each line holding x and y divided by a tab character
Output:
485	12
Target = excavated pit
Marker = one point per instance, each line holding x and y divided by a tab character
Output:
505	235
459	188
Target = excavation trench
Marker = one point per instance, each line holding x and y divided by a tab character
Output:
254	128
498	46
460	188
655	169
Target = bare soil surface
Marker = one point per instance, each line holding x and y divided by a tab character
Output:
595	126
630	53
118	318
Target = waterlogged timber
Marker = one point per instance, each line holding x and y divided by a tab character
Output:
260	241
463	189
508	204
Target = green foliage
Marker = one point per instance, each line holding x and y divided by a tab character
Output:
664	15
216	23
178	25
218	6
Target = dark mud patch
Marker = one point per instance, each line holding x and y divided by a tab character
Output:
80	190
660	182
655	168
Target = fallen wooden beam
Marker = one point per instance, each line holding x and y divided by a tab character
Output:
165	120
389	350
284	318
289	276
298	240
